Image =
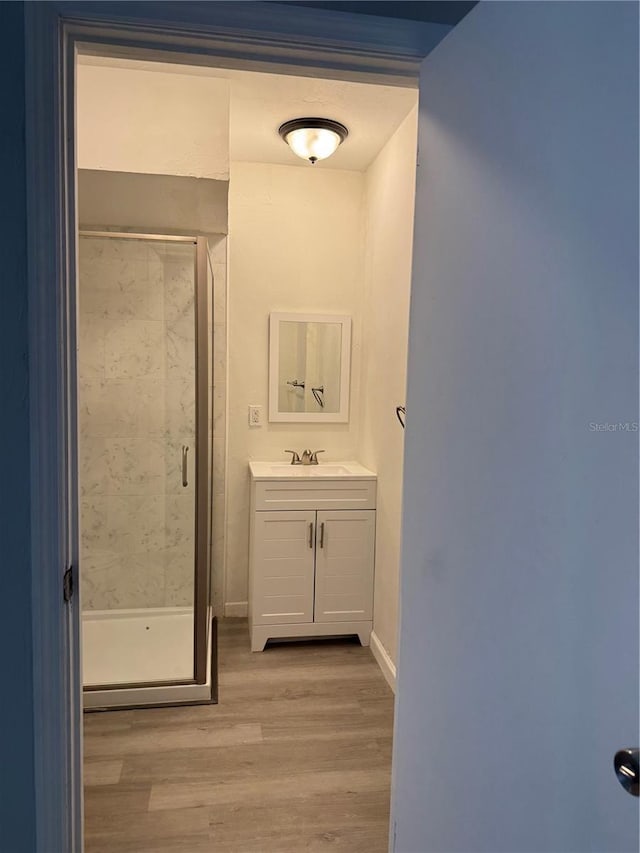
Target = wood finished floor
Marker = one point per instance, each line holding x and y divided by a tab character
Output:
295	757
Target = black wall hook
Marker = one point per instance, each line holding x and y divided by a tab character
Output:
401	413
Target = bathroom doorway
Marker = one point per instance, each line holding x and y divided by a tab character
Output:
271	264
477	104
145	423
398	73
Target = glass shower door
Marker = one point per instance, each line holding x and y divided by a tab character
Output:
137	390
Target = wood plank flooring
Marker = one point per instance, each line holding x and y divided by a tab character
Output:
295	757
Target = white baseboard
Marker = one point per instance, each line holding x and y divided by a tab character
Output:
385	663
236	609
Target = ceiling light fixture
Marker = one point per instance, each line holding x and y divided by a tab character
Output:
313	139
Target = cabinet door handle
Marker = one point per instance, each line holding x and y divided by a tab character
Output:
185	481
322	535
311	534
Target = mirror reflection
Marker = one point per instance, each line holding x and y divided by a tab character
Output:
309	367
309	364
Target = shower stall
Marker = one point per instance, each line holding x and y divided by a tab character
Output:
145	476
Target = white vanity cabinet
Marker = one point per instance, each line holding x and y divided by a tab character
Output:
312	545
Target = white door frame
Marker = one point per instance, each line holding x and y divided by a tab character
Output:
236	34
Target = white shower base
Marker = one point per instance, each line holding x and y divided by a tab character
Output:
123	648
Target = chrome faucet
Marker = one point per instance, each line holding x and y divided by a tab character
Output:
309	457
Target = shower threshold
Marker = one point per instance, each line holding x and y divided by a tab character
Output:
141	658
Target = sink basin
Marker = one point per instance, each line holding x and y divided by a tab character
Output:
330	470
310	470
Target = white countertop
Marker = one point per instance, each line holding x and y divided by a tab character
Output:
323	470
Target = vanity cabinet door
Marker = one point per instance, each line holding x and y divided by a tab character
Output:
282	567
345	547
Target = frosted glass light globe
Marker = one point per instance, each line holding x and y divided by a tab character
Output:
313	143
313	139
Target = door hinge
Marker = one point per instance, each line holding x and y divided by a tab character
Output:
67	584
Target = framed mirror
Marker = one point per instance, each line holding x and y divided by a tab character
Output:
309	367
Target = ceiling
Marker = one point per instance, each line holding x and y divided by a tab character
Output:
448	12
259	103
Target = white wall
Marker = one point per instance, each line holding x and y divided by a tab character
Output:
152	122
218	392
161	204
389	203
295	244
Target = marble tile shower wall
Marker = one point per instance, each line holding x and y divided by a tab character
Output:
136	368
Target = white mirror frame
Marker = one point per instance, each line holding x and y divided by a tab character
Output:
342	415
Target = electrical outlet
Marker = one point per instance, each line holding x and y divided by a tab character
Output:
255	416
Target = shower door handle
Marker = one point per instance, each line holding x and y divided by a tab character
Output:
185	450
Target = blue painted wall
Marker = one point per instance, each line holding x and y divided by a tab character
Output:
518	665
17	824
448	12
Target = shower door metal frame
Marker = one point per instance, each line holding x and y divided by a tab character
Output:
202	550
